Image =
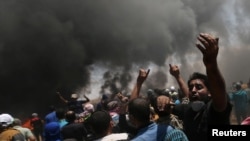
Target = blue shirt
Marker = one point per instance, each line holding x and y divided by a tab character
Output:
52	131
159	132
62	122
51	117
240	99
147	133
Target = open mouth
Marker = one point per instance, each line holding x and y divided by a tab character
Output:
194	97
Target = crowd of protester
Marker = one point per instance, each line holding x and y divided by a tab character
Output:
177	113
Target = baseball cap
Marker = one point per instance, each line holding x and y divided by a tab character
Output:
6	119
172	88
34	114
74	96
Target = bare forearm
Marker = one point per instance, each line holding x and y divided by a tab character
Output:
136	91
143	74
87	99
183	86
63	99
217	87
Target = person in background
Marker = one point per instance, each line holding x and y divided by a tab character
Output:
113	109
52	131
164	112
51	116
175	72
139	116
174	95
74	104
246	121
60	114
240	102
88	110
27	133
102	127
248	97
7	132
37	126
74	129
102	105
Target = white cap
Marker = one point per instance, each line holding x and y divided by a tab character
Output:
74	96
34	114
6	119
172	88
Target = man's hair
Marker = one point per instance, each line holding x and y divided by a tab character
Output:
140	109
197	75
60	113
99	121
17	121
70	116
238	85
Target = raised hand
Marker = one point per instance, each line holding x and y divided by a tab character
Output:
174	70
209	47
142	76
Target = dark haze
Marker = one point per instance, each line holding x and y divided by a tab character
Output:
50	45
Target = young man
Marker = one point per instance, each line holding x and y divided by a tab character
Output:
7	132
73	129
209	103
74	104
102	125
139	116
27	133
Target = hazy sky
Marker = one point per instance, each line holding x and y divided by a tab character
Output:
50	45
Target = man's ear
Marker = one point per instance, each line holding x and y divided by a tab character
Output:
209	94
131	118
111	124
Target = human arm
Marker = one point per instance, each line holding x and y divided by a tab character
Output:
30	136
175	72
142	76
86	99
121	97
62	98
209	47
124	124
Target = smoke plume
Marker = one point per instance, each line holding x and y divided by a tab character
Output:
52	45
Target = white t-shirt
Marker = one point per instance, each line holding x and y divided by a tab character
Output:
114	137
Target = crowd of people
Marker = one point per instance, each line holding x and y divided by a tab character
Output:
170	114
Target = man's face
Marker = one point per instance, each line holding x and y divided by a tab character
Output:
198	90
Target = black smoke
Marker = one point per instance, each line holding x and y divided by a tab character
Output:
49	45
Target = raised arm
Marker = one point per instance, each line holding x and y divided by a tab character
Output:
143	74
175	72
86	99
209	47
62	98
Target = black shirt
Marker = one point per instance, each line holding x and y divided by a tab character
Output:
196	123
